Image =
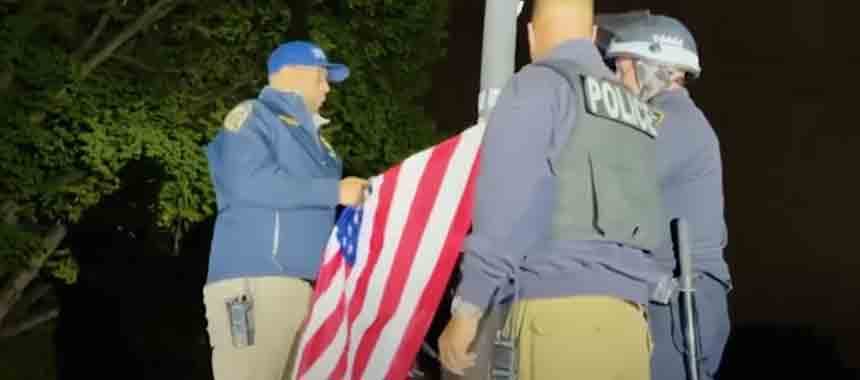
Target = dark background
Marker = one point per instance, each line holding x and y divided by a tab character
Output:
790	205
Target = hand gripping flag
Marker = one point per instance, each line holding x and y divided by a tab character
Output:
387	265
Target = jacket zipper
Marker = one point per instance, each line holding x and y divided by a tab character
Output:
276	240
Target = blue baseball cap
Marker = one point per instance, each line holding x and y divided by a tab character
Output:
303	53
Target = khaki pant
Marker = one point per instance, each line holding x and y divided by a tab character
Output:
583	337
280	307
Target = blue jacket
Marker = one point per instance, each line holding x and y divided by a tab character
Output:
691	177
276	187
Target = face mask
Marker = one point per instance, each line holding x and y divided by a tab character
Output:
653	79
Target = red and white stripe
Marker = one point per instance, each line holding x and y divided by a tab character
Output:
367	322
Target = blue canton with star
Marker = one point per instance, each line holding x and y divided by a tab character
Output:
347	233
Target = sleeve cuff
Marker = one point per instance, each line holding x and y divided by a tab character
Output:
479	281
327	191
476	290
460	308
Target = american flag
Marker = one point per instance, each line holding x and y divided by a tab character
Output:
387	264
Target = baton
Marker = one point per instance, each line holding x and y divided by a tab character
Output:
687	299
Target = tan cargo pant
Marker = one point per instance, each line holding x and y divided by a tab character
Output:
280	307
583	337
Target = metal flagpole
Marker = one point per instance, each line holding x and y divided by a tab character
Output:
498	54
496	349
498	51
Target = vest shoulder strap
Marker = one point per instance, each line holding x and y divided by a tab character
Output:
566	68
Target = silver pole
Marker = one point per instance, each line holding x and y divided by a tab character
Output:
498	51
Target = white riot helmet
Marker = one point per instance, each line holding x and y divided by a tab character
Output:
660	45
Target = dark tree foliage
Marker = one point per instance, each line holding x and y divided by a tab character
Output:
90	87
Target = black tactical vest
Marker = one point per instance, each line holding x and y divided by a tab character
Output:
608	186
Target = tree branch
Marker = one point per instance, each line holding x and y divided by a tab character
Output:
153	14
92	6
32	296
214	94
53	239
100	27
30	323
140	65
13	289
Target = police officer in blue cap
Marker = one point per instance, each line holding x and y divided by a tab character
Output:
277	185
656	56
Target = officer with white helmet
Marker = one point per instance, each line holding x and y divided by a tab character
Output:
656	56
660	50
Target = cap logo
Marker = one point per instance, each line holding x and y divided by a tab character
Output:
668	40
318	54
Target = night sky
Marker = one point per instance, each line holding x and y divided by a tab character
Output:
789	164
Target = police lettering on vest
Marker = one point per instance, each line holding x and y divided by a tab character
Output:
611	100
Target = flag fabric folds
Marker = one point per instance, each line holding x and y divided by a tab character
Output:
387	264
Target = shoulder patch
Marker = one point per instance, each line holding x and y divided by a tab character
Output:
611	100
235	119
